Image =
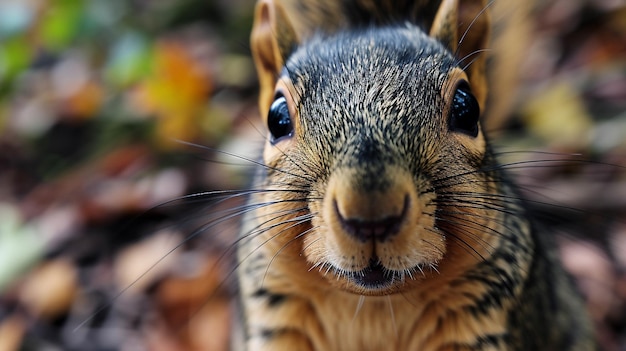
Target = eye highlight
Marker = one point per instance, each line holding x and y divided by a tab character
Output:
464	111
279	120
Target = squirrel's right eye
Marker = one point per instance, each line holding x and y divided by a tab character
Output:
278	120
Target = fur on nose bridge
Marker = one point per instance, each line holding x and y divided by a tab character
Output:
367	165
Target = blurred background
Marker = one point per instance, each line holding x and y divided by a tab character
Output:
117	117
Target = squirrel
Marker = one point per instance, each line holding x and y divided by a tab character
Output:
381	219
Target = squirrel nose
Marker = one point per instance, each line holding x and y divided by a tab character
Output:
374	226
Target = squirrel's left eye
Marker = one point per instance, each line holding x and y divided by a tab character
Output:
278	120
465	111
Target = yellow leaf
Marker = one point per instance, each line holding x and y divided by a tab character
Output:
175	93
558	115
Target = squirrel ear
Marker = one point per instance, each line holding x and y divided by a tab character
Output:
272	41
445	24
463	27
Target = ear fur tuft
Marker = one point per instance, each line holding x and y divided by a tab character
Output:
272	41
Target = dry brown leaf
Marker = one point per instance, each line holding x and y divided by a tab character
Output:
140	265
195	311
50	289
12	331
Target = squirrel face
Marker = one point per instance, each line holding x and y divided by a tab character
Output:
378	131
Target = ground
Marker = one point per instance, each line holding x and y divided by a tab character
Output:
117	118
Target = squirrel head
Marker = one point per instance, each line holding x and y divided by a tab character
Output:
463	27
377	127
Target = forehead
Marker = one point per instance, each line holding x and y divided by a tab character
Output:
391	60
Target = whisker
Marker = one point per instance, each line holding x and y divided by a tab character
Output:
152	267
296	222
359	305
460	42
393	316
473	53
254	162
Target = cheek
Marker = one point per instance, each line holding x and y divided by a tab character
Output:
314	242
473	146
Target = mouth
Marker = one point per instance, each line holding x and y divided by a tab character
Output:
376	278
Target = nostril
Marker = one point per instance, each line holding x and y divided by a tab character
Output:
366	229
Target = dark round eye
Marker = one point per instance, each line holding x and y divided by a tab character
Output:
279	120
464	112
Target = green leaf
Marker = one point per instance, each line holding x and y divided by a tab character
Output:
20	248
61	23
15	56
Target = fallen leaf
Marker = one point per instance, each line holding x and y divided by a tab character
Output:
12	330
50	289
